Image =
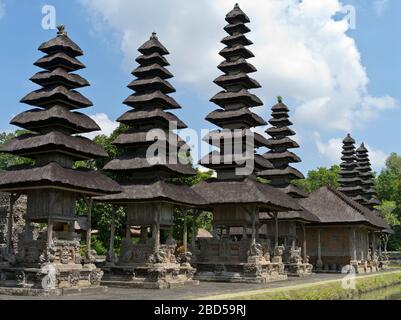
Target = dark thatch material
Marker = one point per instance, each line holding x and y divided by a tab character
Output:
153	70
240	65
290	172
237	15
332	206
236	39
217	137
48	97
153	45
286	155
37	119
236	28
59	77
155	83
284	121
246	191
246	82
53	175
59	60
225	118
215	160
154	58
224	98
142	137
237	50
61	43
152	191
302	215
151	100
131	163
54	142
145	116
284	143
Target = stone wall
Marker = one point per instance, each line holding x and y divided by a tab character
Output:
19	222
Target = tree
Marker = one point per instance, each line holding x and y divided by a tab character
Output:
319	178
8	160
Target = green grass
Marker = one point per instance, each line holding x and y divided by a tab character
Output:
325	290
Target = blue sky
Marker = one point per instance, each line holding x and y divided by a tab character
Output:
334	78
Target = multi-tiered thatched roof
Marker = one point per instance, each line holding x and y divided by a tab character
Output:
53	123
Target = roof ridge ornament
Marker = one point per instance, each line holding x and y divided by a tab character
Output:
61	30
280	99
153	36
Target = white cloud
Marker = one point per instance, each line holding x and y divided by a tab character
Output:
380	6
301	52
106	125
2	9
331	150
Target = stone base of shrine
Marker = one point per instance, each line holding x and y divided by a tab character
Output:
50	280
240	272
298	269
150	276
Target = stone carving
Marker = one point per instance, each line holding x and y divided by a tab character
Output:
278	254
20	277
73	278
95	277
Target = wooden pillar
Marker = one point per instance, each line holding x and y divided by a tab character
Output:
89	227
361	245
49	233
10	225
144	234
276	229
353	246
112	233
185	233
304	242
373	244
253	226
194	231
156	229
319	250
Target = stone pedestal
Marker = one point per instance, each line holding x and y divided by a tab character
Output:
55	269
225	260
139	267
294	266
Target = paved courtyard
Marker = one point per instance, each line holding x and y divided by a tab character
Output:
205	289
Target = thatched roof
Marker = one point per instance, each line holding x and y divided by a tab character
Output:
152	58
237	15
224	98
37	119
153	70
332	207
54	141
240	65
239	38
236	50
153	45
57	60
48	97
54	175
245	191
61	43
149	116
59	76
155	83
224	118
151	191
155	98
139	164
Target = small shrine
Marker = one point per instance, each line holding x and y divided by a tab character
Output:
51	262
236	197
149	194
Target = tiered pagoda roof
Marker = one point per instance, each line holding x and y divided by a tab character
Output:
369	194
236	119
145	178
52	143
282	173
350	183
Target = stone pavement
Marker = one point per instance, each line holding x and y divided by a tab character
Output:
205	289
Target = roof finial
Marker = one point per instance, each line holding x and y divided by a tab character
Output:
280	99
236	6
154	35
61	30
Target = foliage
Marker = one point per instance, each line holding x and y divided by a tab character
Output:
319	178
388	186
8	160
